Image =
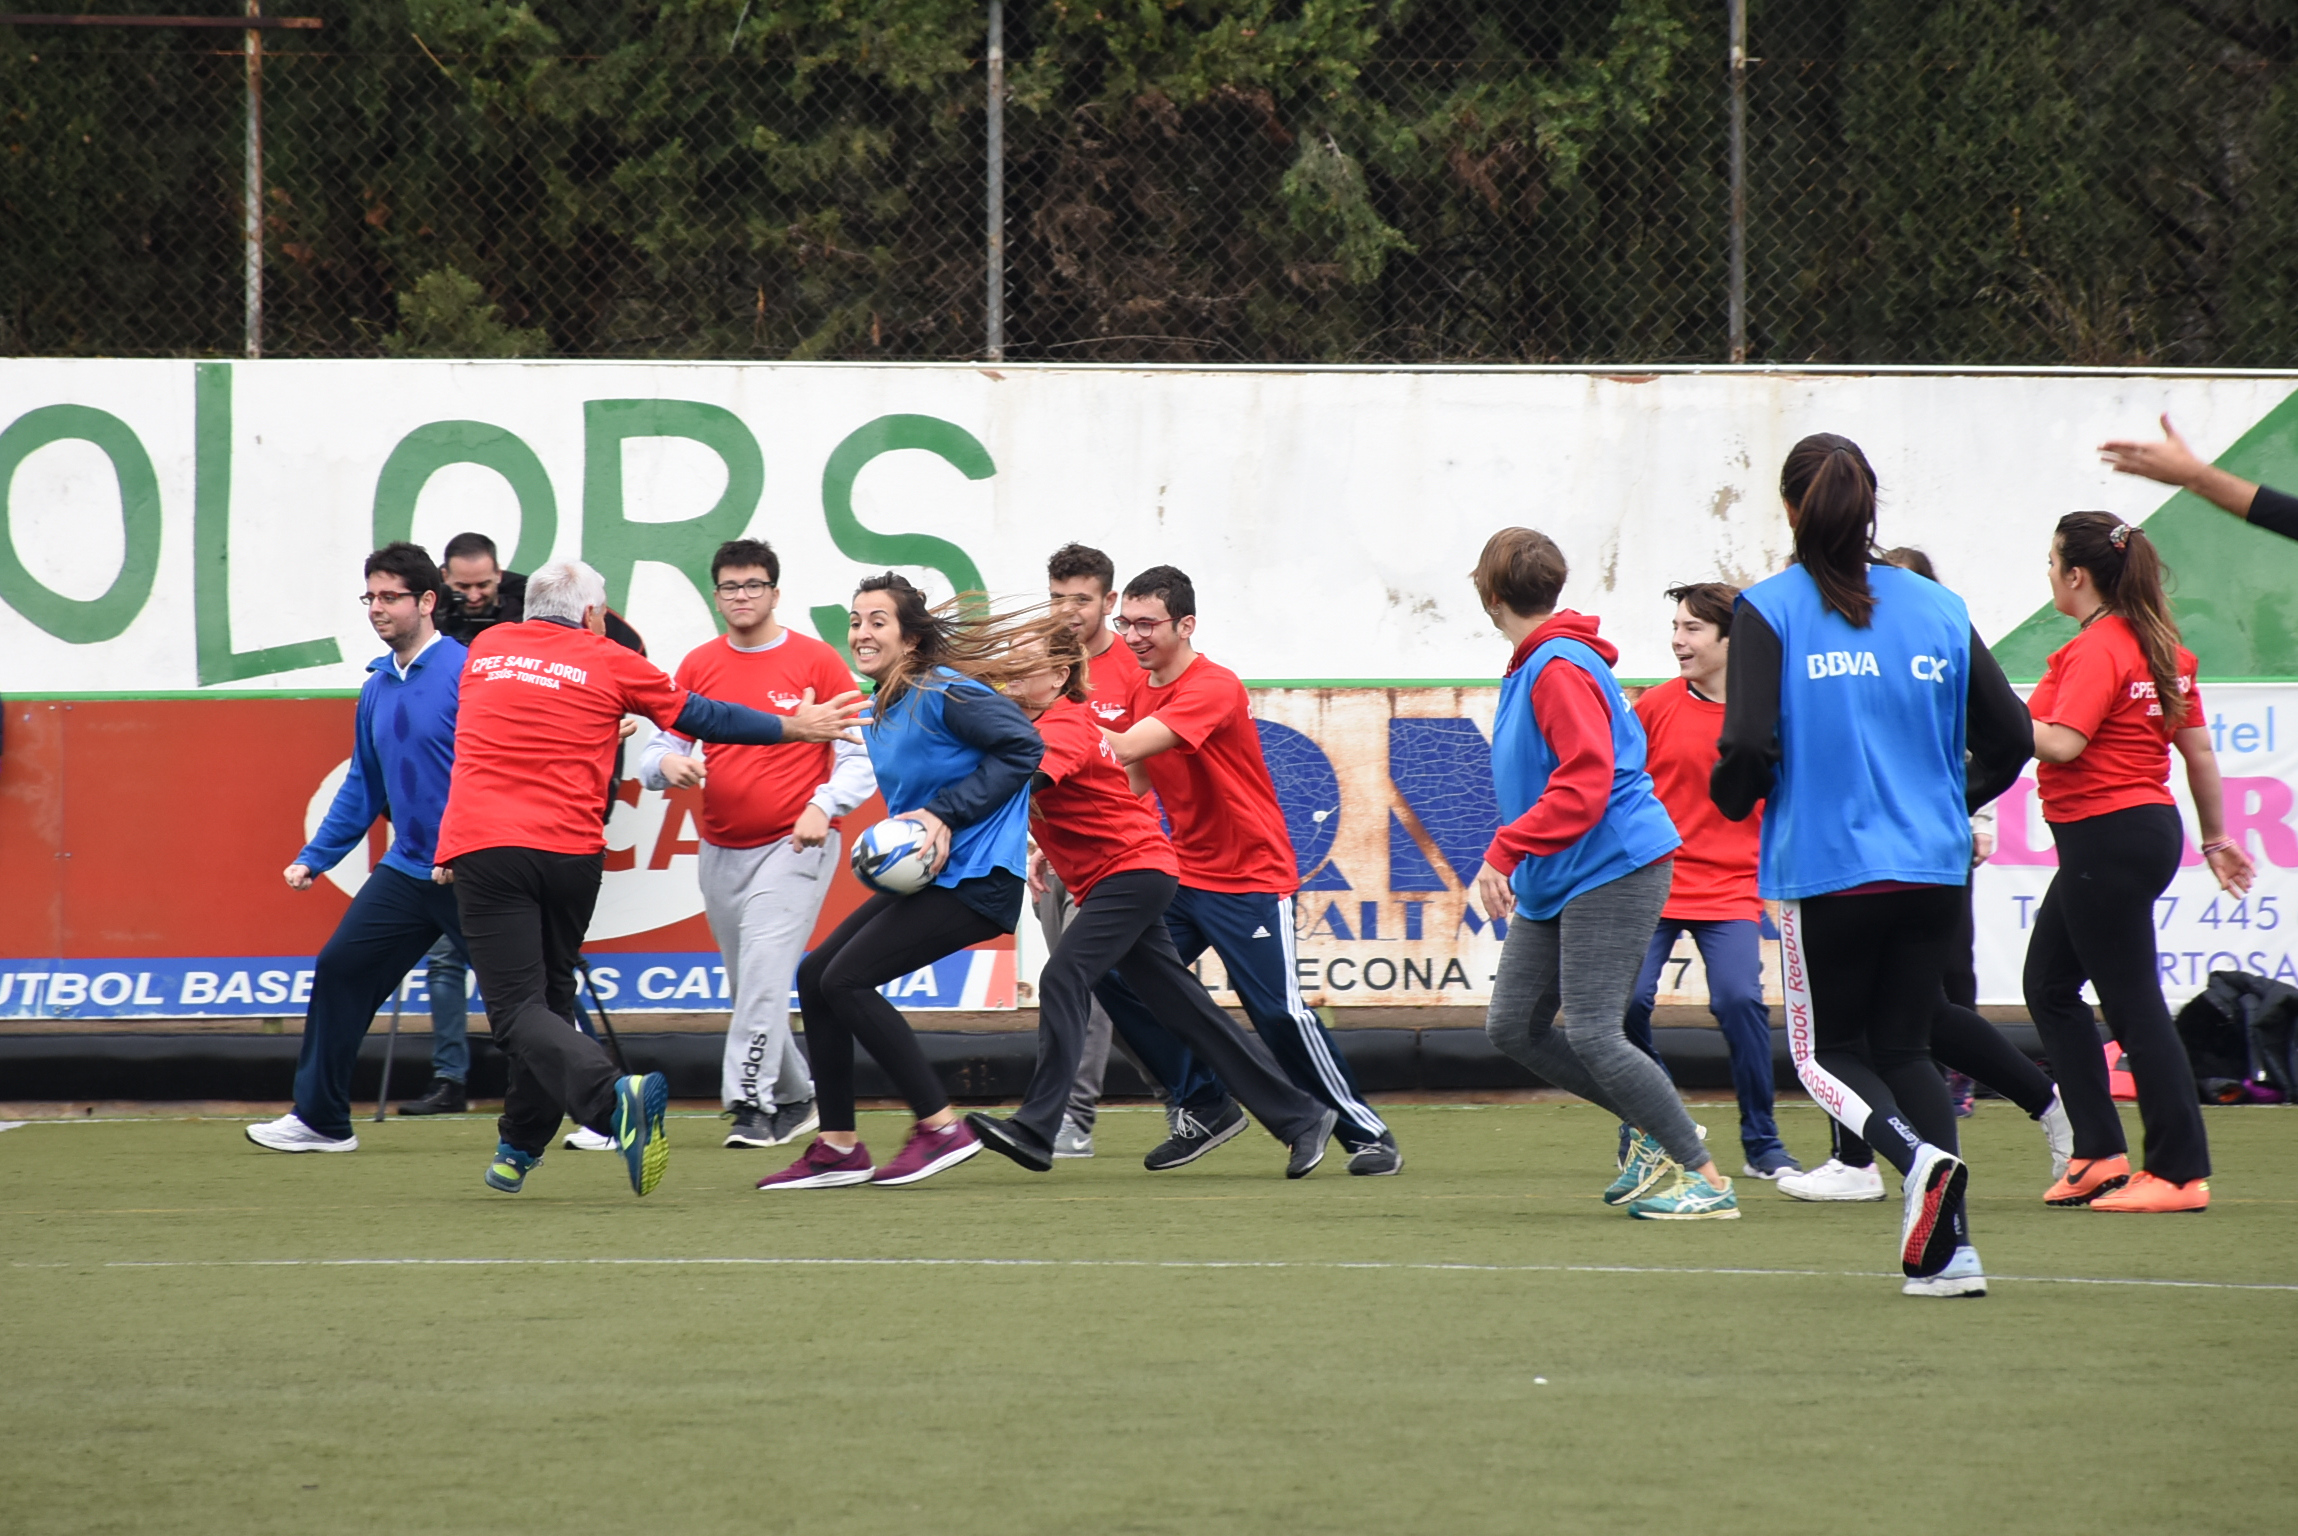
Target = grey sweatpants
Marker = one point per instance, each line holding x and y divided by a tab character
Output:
1585	959
1055	912
762	903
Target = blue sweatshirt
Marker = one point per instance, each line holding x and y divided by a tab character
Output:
402	757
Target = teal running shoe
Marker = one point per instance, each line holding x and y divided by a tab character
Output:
508	1172
1690	1198
1646	1164
639	1105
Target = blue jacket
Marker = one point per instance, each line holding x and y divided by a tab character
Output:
953	746
1634	829
1871	779
402	757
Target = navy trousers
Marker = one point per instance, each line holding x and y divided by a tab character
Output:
1732	951
392	923
1253	935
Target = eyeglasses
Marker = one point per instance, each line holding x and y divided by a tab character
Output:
744	588
1146	628
370	599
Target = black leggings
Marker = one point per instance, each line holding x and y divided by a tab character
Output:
2096	924
1863	985
1965	1042
838	996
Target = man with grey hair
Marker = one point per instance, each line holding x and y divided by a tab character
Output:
523	843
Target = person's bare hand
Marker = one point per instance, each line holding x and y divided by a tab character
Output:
1982	844
442	874
298	877
1493	892
683	772
830	720
1037	885
2169	461
2232	869
936	848
629	726
812	830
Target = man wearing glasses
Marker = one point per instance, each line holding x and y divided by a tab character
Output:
769	834
1192	732
402	758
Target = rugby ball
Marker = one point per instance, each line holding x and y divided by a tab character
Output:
890	857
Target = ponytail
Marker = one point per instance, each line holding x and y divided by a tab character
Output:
1831	486
2132	581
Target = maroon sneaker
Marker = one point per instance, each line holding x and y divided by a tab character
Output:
823	1167
927	1153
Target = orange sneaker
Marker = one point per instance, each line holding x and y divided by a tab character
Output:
2084	1182
2148	1194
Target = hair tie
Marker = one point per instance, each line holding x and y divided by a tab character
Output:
2119	537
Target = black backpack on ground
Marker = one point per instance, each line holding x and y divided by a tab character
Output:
2238	1031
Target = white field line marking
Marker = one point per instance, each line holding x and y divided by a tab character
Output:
924	1263
9	1125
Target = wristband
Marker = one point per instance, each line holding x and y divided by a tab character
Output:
2210	848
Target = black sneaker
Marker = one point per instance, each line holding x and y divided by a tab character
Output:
1011	1139
1194	1136
1376	1158
445	1098
1308	1148
792	1121
753	1127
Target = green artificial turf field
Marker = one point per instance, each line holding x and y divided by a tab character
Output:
1478	1345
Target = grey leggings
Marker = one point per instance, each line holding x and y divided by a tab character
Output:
1586	958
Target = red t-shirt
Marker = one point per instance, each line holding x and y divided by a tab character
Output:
1109	683
539	715
2098	684
1715	868
752	795
1090	823
1228	829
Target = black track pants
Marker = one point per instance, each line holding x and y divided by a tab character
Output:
1121	927
524	914
884	937
2096	924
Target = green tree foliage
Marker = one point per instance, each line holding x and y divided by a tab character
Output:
1189	180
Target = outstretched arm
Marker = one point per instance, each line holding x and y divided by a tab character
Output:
1143	740
2172	462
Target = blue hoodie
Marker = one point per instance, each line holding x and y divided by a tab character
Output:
402	757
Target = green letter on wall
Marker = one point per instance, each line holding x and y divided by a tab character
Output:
947	441
211	547
73	620
433	446
611	541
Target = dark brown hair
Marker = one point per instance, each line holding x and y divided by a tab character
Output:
1832	488
1170	585
2132	581
751	552
966	636
1521	569
1710	601
1072	561
1908	558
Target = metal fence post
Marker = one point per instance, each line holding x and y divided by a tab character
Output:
254	191
1738	152
994	316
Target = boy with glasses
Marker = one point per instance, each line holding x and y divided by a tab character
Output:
402	758
1192	733
769	834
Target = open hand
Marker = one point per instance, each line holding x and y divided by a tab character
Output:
2169	461
831	720
935	850
2232	868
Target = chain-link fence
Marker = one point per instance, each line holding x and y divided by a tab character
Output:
1239	181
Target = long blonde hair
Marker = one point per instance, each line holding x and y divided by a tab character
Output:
967	636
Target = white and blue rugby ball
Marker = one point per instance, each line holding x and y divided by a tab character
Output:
890	857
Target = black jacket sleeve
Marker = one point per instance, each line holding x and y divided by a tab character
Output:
2276	511
1012	749
1747	754
733	725
1998	735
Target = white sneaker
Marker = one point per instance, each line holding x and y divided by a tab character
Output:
2059	1132
289	1134
1962	1277
584	1139
1832	1180
1072	1140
